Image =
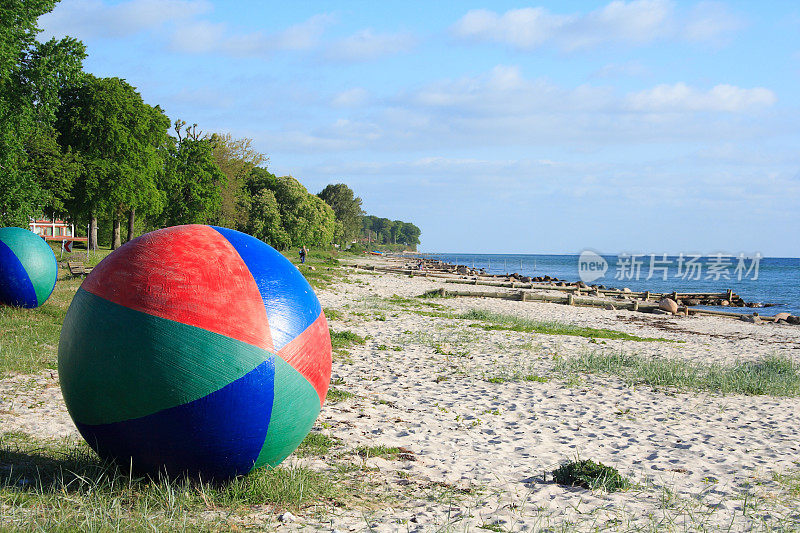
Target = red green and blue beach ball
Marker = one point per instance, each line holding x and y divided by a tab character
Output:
28	268
195	350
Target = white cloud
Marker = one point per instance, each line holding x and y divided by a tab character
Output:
351	97
367	45
87	19
680	97
522	28
202	37
632	69
635	22
710	22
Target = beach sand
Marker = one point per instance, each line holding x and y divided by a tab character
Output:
480	442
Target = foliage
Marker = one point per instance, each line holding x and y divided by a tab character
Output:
119	140
191	181
347	209
235	158
385	231
588	474
31	74
295	218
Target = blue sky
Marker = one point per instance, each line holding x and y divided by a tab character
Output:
644	126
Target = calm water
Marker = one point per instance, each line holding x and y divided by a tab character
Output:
777	280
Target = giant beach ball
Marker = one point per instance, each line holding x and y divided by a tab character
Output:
28	268
194	350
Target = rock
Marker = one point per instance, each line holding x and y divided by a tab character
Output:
610	307
753	319
668	305
692	301
724	303
287	517
781	321
794	320
626	289
782	316
659	312
525	279
601	287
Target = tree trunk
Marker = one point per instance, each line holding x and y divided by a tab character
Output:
116	240
93	234
131	217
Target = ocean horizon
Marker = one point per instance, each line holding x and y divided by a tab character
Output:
767	280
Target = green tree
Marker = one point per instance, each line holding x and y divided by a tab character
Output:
235	158
31	74
264	220
119	140
347	209
191	180
305	219
409	234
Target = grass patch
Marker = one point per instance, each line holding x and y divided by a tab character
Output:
344	339
790	480
773	376
497	321
588	474
337	395
386	452
316	444
332	314
63	486
500	322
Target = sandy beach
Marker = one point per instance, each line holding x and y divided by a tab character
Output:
480	437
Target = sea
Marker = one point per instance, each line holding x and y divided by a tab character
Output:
768	280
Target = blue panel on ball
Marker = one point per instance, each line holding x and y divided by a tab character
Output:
218	436
15	288
290	301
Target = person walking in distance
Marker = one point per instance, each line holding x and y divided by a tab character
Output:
303	254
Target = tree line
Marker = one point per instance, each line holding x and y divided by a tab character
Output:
90	150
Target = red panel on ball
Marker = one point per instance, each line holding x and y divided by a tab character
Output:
309	354
190	274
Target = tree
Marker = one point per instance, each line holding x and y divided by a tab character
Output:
305	219
120	141
191	179
409	234
264	220
235	158
347	209
31	74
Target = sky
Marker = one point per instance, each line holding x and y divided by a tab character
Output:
642	126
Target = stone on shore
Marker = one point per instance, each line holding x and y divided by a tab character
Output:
668	304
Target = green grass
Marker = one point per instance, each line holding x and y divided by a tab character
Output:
63	486
316	444
386	452
588	474
345	339
338	395
490	321
497	321
332	314
790	480
774	375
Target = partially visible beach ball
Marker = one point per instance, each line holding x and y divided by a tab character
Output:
195	350
28	268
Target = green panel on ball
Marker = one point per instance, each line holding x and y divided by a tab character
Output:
294	409
129	364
